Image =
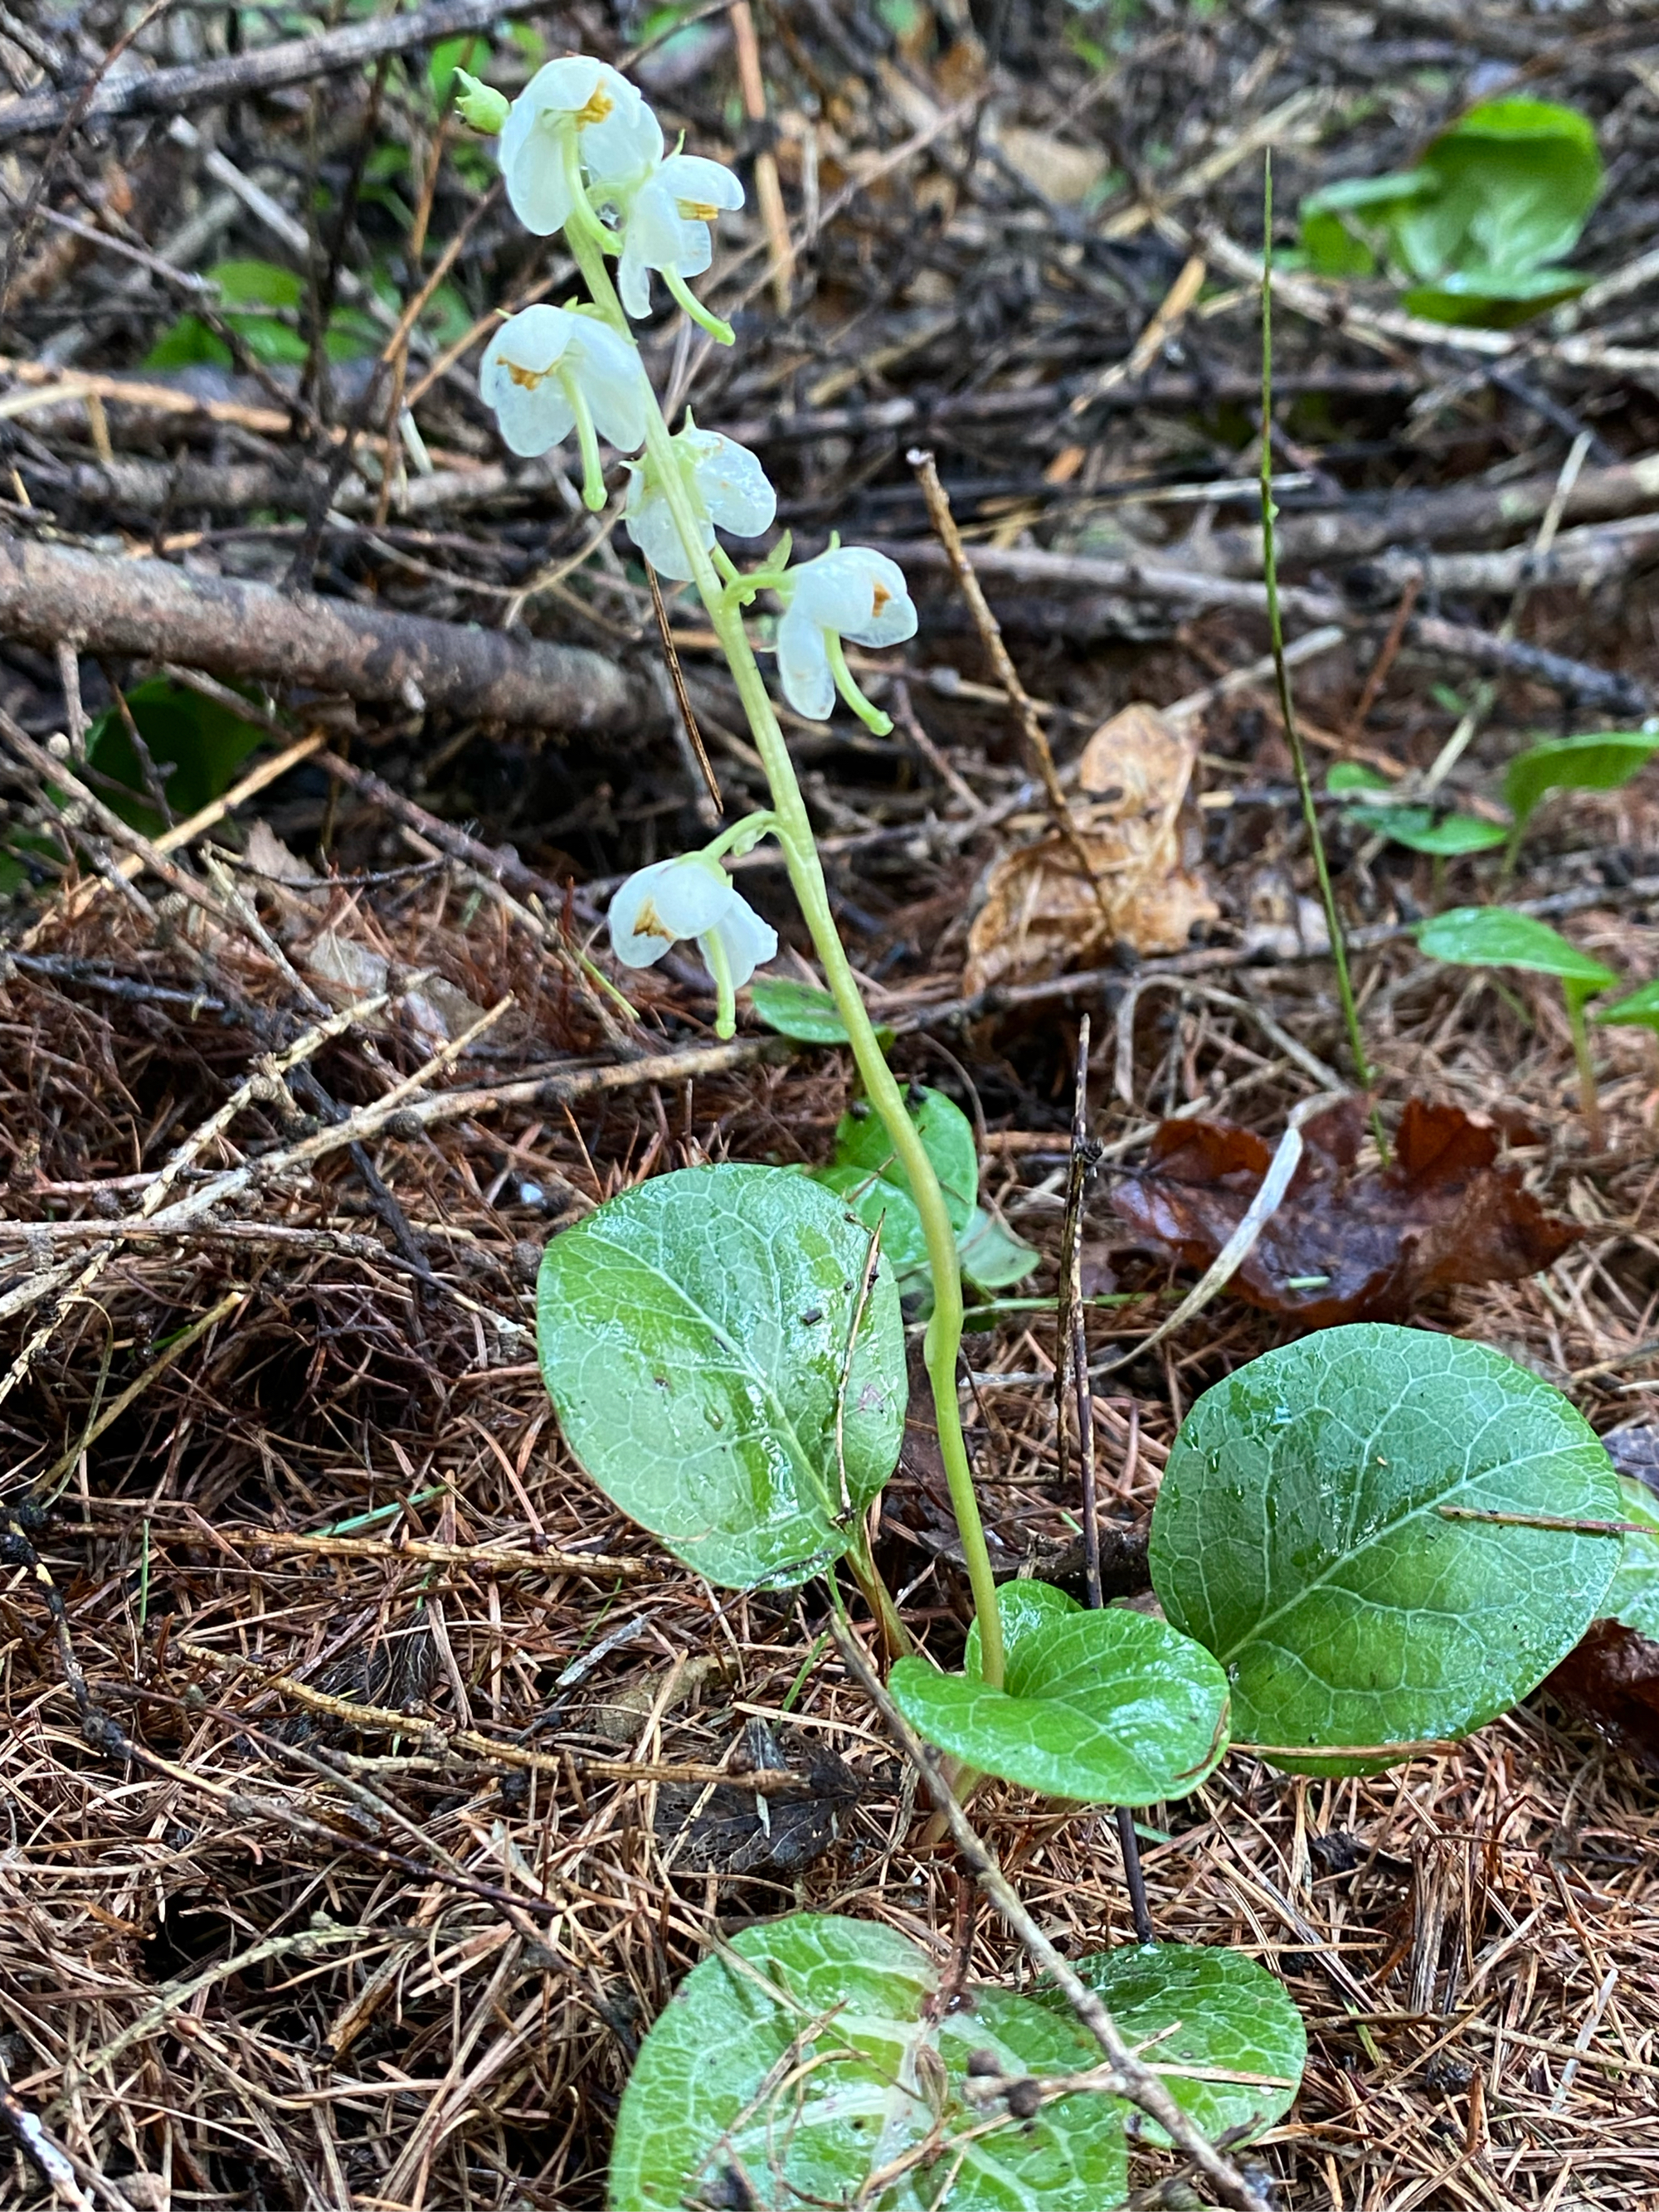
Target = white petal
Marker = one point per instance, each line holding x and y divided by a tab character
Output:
518	377
733	485
652	528
859	594
747	941
628	139
660	237
634	279
612	379
689	176
533	165
565	87
672	899
804	666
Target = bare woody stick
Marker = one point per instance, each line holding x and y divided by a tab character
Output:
768	189
1040	757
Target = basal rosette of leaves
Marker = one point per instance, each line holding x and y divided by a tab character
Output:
1477	232
1372	1529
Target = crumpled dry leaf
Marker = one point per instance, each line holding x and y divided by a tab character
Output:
348	970
1611	1677
1060	171
1344	1246
1041	916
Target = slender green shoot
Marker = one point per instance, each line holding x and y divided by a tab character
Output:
1286	706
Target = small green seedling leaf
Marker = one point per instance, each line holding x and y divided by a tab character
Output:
1598	763
1497	937
1228	2016
1355	775
1299	1536
806	2059
196	745
1632	1596
1418	828
802	1011
1111	1707
866	1172
695	1336
1637	1009
993	1257
1478	229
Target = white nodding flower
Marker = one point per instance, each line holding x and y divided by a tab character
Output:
668	228
850	592
616	138
690	897
547	368
726	487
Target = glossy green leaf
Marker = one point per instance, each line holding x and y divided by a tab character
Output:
1343	225
1298	1535
804	2059
1637	1009
694	1335
866	1173
1479	229
1112	1707
1601	761
196	746
801	1011
1514	180
1632	1596
1497	937
1494	299
993	1257
1355	775
1418	829
1230	2016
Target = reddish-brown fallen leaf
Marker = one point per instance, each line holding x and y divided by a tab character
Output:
1344	1245
1611	1677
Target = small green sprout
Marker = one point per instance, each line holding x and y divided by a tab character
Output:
1497	937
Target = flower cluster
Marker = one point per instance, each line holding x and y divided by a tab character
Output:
583	152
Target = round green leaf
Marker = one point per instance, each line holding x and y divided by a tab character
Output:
805	2058
694	1336
1637	1009
1497	937
1112	1707
1416	828
993	1257
801	1011
866	1172
1601	761
1228	2016
1299	1536
1633	1594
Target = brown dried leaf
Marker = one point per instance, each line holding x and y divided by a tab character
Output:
1361	1246
1042	915
1612	1677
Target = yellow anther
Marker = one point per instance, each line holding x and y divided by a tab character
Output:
600	105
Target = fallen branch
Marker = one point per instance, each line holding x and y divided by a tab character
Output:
1458	643
1451	517
152	611
237	76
